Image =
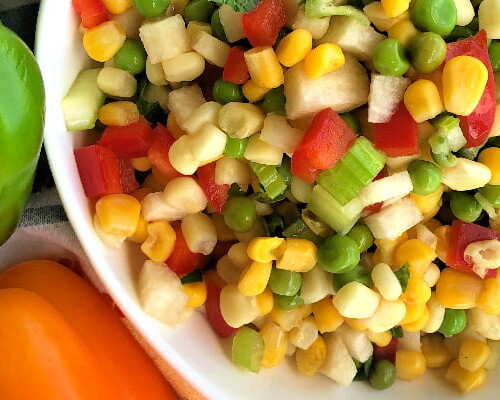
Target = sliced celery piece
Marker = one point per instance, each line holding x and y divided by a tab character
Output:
300	230
327	8
341	218
450	128
353	172
270	179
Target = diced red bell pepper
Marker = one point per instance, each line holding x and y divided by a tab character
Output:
99	170
92	12
326	141
462	234
129	141
263	24
387	352
212	310
216	194
477	125
399	136
376	207
182	260
158	152
236	70
128	178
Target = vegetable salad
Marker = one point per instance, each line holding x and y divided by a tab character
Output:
321	177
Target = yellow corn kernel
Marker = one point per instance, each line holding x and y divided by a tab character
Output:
140	164
489	297
140	193
458	290
429	202
377	16
103	41
264	67
160	242
265	301
275	344
435	351
326	316
473	354
174	127
254	92
404	31
356	324
491	158
393	8
141	232
417	291
117	6
254	278
419	324
152	184
299	255
325	58
422	100
443	241
197	293
464	80
294	47
287	319
310	360
413	313
119	113
265	249
410	364
381	339
386	248
417	253
466	381
118	214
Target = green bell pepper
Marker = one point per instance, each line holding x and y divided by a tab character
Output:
22	103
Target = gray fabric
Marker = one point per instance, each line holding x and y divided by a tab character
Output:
9	4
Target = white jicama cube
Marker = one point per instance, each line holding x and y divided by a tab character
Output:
393	220
410	341
316	285
207	113
154	208
488	326
390	187
386	282
262	152
279	133
185	101
165	38
130	21
231	22
359	346
232	170
465	12
342	90
386	92
195	26
304	335
316	26
111	241
426	235
355	300
181	156
207	143
240	120
466	175
436	315
227	270
185	194
199	232
155	73
212	49
116	82
338	364
492	362
184	67
387	316
353	37
162	295
236	308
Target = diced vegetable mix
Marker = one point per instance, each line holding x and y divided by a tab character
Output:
322	177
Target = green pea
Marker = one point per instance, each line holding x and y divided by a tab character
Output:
427	51
131	57
438	16
151	8
286	283
274	101
352	121
359	274
225	92
454	322
389	58
217	28
492	194
240	214
464	206
338	254
383	375
247	349
363	236
288	302
235	148
494	52
425	177
199	10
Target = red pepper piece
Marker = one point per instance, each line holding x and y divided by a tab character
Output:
462	234
99	171
182	260
263	24
129	141
127	175
92	12
216	194
302	168
477	125
158	152
213	313
386	353
236	70
399	136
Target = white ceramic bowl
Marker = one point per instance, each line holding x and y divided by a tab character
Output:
192	349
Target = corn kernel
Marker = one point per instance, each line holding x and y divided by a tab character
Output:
489	297
458	290
355	300
435	351
393	8
254	278
118	214
388	315
466	175
160	242
184	67
491	158
141	232
356	324
466	381
236	308
381	339
326	316
173	127
404	31
418	254
419	324
386	282
265	301
413	313
254	92
299	255
227	270
117	82
117	6
443	234
410	364
416	292
436	315
199	232
422	100
141	164
377	16
473	354
287	319
197	293
309	361
111	241
265	249
119	113
386	249
325	58
276	342
294	47
103	41
464	81
264	67
304	335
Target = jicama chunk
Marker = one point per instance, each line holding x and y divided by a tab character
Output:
262	152
316	26
277	132
212	49
185	101
231	22
338	364
390	187
386	92
357	343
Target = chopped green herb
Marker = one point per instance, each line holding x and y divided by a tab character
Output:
403	274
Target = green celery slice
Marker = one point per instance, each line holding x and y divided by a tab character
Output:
247	349
300	230
270	179
353	172
327	8
235	148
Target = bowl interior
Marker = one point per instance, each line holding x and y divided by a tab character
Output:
192	349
